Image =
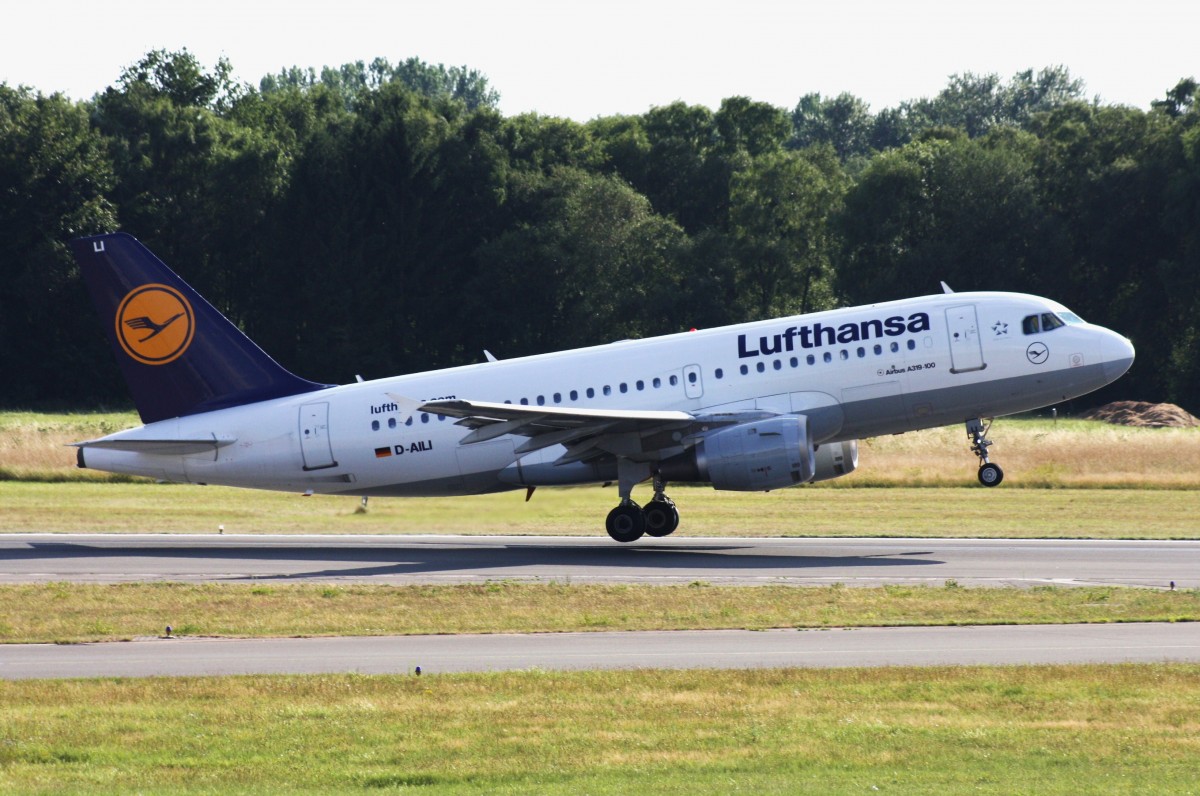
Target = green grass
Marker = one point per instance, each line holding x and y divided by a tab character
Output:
60	612
802	511
1045	730
1035	453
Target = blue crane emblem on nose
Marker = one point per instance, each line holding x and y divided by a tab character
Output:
1037	353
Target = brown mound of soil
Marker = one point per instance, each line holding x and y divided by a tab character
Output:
1142	415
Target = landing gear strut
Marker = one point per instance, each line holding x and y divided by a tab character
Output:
989	474
628	521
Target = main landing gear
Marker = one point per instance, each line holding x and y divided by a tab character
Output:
628	521
989	474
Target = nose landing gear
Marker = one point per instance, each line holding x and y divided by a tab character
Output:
989	474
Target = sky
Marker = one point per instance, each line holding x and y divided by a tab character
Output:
585	58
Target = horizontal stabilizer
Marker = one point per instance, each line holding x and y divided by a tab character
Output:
160	447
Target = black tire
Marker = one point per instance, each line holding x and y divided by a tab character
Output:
662	518
626	523
991	475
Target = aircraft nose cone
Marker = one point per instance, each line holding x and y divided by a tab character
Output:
1118	356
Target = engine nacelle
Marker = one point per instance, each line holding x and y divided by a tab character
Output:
749	457
835	459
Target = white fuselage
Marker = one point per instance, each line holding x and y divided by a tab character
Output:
855	372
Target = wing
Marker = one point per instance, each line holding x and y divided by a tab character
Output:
640	435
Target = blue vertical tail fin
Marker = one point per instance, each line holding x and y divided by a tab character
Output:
179	355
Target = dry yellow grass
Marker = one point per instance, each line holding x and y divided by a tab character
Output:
1038	453
36	445
1033	453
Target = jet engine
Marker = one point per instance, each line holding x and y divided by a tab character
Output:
835	459
750	457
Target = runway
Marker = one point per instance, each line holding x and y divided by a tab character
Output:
725	649
109	558
112	558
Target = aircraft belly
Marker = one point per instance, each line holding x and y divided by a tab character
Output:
943	404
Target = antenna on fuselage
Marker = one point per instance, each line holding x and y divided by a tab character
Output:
946	288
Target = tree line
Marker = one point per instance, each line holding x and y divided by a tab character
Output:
384	218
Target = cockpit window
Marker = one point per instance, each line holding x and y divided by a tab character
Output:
1051	321
1047	321
1070	317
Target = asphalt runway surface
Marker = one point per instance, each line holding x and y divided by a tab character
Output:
723	649
112	558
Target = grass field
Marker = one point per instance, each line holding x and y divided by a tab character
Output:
1034	453
59	612
1096	729
1065	479
804	511
1045	730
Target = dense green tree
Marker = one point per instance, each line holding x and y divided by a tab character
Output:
54	174
376	233
191	182
781	207
941	209
350	80
382	218
843	122
590	263
977	104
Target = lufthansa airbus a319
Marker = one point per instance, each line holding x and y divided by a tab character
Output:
752	407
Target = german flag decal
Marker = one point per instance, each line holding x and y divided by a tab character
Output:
383	453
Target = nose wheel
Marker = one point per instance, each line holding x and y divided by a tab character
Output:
990	474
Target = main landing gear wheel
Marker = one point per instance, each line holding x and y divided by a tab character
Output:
989	474
626	523
662	518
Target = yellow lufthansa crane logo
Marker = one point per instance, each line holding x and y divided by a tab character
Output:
155	324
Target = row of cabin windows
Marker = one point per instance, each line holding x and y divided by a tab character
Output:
656	383
843	354
391	422
673	380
